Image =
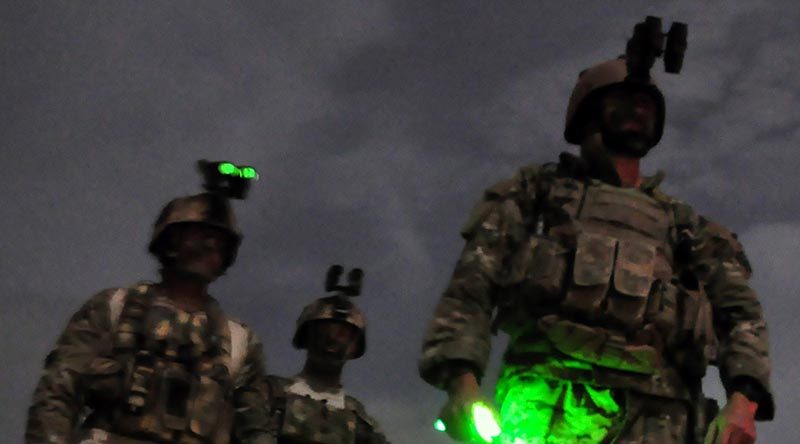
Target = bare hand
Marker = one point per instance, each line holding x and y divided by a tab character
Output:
735	423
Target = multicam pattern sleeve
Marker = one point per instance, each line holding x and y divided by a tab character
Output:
58	398
459	334
743	355
250	397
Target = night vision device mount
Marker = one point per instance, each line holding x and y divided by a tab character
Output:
227	179
648	43
354	280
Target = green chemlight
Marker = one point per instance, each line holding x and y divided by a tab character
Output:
485	424
439	425
227	168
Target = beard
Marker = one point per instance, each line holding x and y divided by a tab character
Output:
629	143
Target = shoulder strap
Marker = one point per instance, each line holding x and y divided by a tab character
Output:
115	304
238	336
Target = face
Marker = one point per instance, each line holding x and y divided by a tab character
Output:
331	341
629	120
200	250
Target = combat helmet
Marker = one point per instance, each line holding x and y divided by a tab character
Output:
593	83
222	181
337	307
631	72
208	209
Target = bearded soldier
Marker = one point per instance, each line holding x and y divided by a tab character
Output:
312	407
158	363
615	296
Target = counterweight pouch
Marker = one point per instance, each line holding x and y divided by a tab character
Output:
140	385
176	389
591	273
207	407
308	420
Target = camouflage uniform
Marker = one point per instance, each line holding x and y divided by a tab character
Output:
130	367
299	414
600	288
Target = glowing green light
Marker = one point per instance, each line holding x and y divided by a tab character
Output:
249	173
536	411
227	168
484	420
439	425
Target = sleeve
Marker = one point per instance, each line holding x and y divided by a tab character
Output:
368	431
251	397
743	354
459	335
58	398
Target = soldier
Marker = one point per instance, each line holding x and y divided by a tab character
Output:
158	363
312	407
614	295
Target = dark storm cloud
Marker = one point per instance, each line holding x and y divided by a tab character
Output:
375	126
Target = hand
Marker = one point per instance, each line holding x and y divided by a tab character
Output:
735	423
463	392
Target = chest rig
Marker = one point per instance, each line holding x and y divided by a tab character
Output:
596	272
296	418
176	386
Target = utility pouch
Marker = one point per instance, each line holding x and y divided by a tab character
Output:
697	342
633	282
103	381
703	412
308	420
176	390
141	382
540	265
591	272
599	346
206	407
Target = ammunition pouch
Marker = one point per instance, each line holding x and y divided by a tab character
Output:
620	301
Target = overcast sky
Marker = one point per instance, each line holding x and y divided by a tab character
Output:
375	126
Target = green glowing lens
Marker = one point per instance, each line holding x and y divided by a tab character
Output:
249	173
485	423
227	168
439	425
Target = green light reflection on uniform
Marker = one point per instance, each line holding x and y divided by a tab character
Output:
227	168
535	412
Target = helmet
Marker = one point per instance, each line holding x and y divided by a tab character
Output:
337	308
206	208
596	81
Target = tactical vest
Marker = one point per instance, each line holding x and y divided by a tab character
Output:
597	271
169	377
299	419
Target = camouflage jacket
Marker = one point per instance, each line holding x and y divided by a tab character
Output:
521	241
82	384
332	418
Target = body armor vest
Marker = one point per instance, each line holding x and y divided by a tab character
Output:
174	385
596	273
297	418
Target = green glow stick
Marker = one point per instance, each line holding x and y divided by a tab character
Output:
227	168
485	423
482	418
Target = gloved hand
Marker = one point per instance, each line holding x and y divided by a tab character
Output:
735	423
